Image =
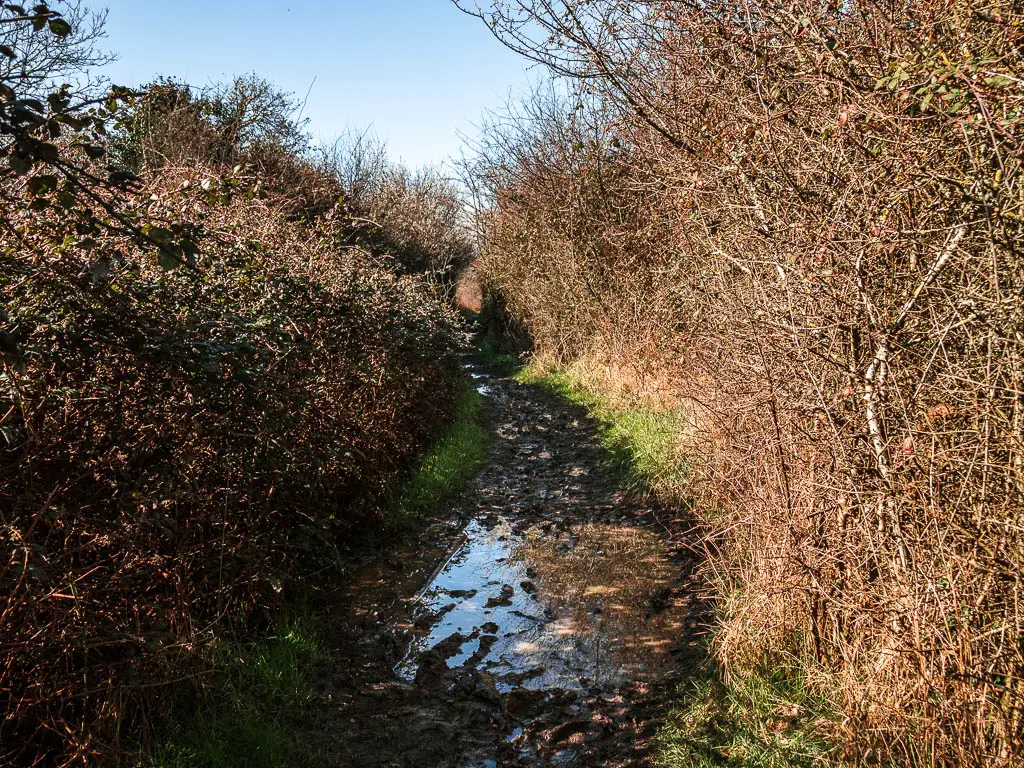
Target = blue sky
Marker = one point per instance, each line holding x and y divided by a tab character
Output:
419	71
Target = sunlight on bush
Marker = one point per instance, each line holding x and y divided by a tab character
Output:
805	234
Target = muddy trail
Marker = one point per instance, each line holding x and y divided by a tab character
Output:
541	622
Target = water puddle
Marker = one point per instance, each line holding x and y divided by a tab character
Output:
546	606
480	382
535	625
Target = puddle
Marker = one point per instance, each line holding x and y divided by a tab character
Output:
481	382
548	607
535	625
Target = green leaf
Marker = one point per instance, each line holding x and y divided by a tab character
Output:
159	235
58	101
94	152
20	164
34	104
48	153
43	183
999	81
168	260
60	27
190	249
122	177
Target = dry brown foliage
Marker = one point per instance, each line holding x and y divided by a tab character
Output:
805	219
180	449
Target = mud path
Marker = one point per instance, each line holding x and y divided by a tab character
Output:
537	625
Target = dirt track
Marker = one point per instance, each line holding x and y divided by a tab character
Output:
540	623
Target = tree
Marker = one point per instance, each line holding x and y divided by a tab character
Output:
33	62
359	159
227	123
53	138
250	112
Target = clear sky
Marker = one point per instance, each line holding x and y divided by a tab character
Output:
418	71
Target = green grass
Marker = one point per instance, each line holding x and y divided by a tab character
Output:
491	353
444	469
758	720
246	716
642	444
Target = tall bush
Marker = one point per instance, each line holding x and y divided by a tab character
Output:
205	394
805	221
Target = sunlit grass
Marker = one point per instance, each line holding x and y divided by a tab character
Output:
643	445
758	720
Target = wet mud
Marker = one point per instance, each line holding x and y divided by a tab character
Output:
540	623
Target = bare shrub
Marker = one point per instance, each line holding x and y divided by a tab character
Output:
805	220
416	219
180	447
205	396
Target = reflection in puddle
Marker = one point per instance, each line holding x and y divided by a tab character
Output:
549	606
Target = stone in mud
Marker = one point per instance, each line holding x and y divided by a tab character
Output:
503	599
516	679
482	686
434	662
486	643
567	731
520	701
490	628
429	618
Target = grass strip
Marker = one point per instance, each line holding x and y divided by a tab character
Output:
446	467
245	716
756	720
